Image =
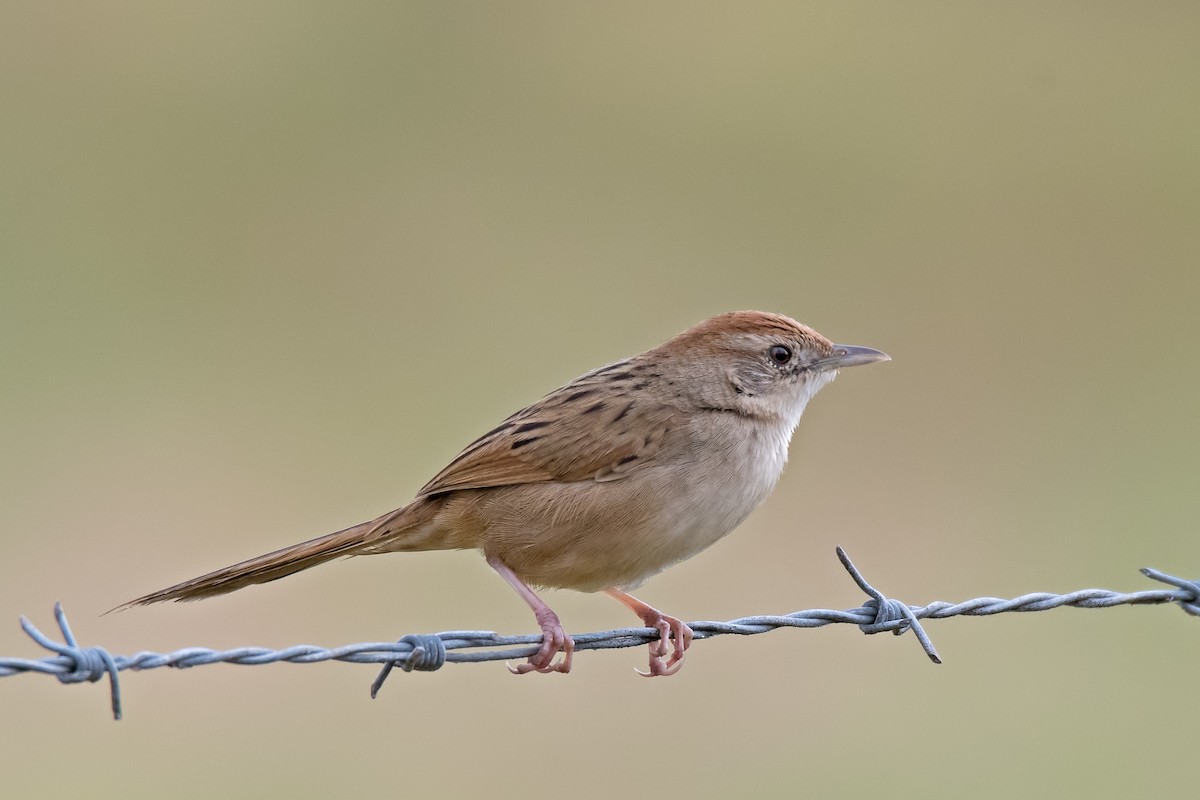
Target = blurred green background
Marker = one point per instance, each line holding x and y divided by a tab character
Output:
266	269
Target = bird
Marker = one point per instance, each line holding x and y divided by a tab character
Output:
606	481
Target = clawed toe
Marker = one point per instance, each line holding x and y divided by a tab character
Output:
554	638
554	641
673	634
521	669
669	629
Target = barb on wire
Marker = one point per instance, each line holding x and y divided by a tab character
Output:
74	664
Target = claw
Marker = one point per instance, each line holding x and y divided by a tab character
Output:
554	641
673	634
668	628
554	638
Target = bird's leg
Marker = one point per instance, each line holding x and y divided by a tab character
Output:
667	627
554	638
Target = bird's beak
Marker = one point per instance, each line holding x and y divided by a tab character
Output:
849	355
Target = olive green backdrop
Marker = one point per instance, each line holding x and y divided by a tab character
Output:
265	268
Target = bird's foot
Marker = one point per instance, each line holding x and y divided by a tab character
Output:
554	638
554	641
669	629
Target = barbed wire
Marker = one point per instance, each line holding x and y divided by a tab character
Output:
427	652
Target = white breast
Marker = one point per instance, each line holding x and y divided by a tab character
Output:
734	465
729	476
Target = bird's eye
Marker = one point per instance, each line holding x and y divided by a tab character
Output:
780	354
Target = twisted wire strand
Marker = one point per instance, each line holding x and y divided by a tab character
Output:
427	652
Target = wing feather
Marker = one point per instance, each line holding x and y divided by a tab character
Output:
595	428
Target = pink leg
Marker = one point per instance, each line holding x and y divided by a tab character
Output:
554	638
667	627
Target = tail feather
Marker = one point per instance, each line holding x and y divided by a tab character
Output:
275	565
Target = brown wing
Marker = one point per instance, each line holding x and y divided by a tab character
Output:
595	428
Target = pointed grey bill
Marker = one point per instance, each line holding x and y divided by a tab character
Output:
850	355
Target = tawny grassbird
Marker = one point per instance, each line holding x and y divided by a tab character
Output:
606	481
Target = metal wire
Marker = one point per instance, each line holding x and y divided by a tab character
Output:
426	652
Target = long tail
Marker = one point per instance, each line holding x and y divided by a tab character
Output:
359	539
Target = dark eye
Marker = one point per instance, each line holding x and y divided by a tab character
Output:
780	354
